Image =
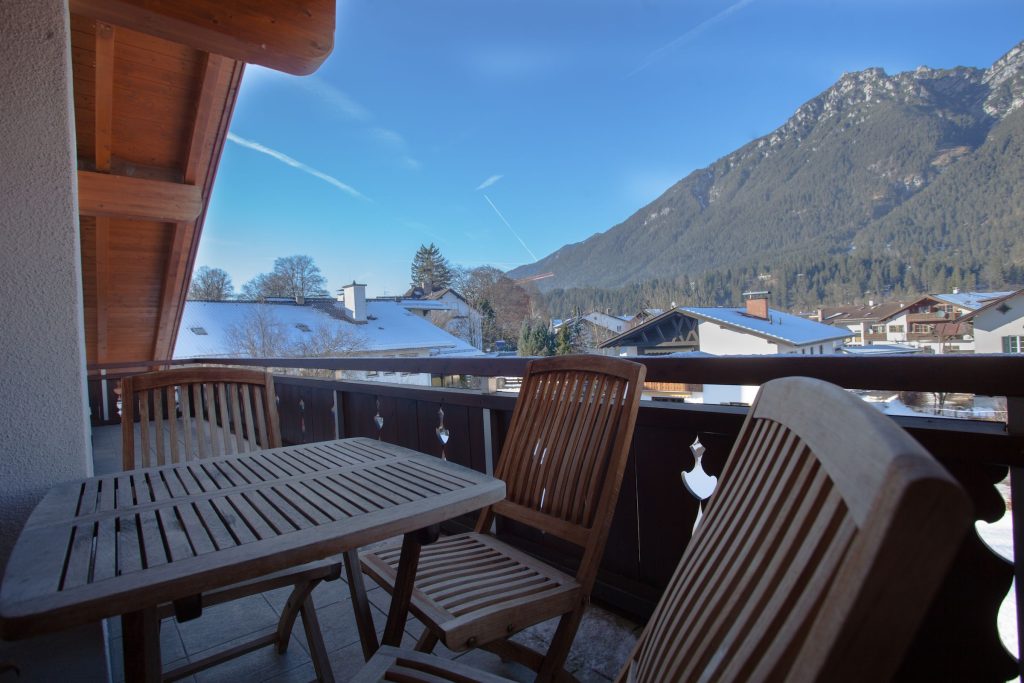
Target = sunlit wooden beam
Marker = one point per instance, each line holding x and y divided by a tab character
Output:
294	36
102	194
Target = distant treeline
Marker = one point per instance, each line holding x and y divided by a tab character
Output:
797	285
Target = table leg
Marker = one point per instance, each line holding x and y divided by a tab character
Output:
407	563
360	604
141	645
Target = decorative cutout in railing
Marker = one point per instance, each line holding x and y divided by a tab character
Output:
379	421
442	432
698	482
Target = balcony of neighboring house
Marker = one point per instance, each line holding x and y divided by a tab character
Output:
655	513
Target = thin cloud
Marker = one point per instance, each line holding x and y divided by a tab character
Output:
295	163
388	136
412	164
490	181
333	96
662	51
510	229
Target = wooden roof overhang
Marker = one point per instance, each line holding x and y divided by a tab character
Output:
155	85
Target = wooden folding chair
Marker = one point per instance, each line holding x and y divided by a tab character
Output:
816	560
187	414
562	463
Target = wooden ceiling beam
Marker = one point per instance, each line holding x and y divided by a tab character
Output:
294	36
102	194
103	143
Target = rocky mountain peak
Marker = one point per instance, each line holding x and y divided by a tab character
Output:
1005	79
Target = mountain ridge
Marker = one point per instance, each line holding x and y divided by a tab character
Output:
823	184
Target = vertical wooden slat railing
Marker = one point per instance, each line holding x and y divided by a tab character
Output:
655	513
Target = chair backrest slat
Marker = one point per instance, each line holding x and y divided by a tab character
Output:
186	420
829	532
566	449
188	413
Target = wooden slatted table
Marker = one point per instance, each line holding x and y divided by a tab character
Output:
123	544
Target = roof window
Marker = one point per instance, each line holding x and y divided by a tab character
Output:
201	331
303	327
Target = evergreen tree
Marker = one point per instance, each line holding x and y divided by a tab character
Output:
535	339
430	270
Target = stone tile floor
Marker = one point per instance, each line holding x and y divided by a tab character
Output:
602	644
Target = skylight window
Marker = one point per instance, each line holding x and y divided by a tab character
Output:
201	331
303	327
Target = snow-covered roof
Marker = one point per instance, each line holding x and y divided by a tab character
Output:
881	350
389	327
784	327
970	300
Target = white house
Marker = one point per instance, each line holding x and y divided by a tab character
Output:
752	330
999	324
348	326
448	309
938	323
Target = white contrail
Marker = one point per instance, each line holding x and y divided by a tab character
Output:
295	163
693	32
510	228
490	181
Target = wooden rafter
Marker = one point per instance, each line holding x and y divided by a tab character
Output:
294	36
104	93
218	89
101	194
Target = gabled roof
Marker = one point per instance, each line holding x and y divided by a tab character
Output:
862	313
389	327
970	300
780	327
992	303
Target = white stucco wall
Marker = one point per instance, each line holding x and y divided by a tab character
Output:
722	341
990	326
44	431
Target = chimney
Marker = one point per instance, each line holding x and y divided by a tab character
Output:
354	296
757	304
300	300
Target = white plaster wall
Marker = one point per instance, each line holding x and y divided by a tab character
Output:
44	430
722	341
729	393
990	326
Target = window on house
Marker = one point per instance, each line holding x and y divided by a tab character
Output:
303	326
201	331
821	349
1013	344
897	328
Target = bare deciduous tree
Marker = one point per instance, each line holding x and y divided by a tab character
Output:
293	276
211	284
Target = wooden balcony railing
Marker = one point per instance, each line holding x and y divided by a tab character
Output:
655	514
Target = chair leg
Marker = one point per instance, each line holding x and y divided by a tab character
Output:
427	641
554	661
296	602
315	640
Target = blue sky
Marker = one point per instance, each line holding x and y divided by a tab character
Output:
503	129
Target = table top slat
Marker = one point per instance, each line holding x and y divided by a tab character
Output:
284	509
302	500
232	521
174	534
154	553
105	558
214	526
79	560
129	546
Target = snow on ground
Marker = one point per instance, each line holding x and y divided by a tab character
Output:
999	537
